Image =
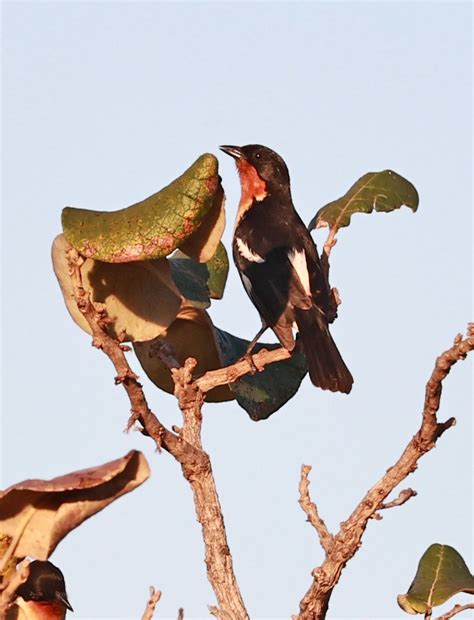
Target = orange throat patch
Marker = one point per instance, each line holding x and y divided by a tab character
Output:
253	187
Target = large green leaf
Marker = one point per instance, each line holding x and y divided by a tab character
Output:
191	334
200	282
141	298
156	226
441	574
379	191
264	392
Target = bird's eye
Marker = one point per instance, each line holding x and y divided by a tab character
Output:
258	155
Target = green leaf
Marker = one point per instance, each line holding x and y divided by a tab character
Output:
156	226
264	392
379	191
441	574
200	282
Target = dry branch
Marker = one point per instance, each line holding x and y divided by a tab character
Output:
347	541
184	446
457	609
155	596
309	507
8	589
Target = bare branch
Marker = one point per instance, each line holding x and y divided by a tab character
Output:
184	445
8	589
309	507
457	609
229	374
155	596
346	542
403	497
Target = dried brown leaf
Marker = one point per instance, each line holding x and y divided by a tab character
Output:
37	514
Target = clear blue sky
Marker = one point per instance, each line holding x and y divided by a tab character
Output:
105	103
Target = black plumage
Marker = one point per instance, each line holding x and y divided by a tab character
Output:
280	267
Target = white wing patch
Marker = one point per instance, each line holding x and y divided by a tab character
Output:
247	284
247	253
298	260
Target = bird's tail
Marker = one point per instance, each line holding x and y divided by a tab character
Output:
327	369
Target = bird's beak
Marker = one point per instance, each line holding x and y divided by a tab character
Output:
61	596
233	151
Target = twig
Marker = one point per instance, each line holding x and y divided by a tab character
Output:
402	498
184	446
457	609
346	542
309	507
155	596
8	589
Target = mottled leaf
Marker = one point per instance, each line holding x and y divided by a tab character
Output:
191	335
264	392
156	226
379	191
38	514
140	298
203	243
441	574
200	282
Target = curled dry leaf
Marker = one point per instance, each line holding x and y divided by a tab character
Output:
140	298
191	335
37	514
156	226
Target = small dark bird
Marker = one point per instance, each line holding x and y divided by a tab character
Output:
44	593
280	267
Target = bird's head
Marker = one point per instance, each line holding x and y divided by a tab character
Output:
45	584
255	158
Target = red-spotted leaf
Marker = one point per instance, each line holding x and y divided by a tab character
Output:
441	574
156	226
37	514
375	191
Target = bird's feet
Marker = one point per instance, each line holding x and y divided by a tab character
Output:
253	365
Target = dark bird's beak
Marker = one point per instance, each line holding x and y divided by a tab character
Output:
233	151
61	596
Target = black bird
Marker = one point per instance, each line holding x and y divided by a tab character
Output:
43	595
279	265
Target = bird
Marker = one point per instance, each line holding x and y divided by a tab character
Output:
280	268
43	595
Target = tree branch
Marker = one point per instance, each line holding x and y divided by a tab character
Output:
155	596
185	446
346	542
457	609
309	507
8	589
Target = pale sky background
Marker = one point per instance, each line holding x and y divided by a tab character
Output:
104	104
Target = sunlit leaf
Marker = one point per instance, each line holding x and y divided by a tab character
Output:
441	574
38	514
262	393
156	226
200	282
203	243
379	191
191	335
141	298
